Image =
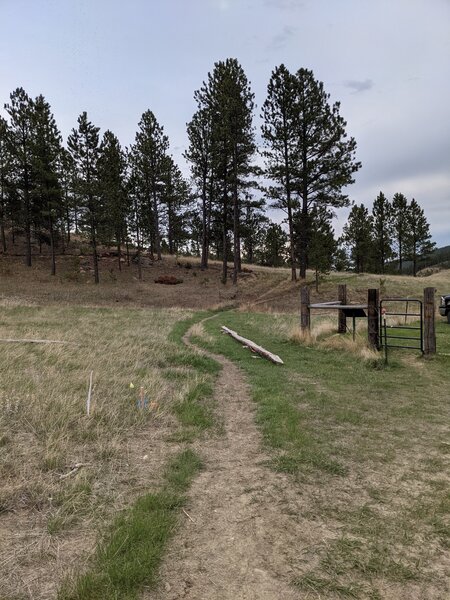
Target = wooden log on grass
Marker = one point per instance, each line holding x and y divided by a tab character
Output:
258	349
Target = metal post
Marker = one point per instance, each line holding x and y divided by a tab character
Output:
305	316
429	326
342	319
373	318
385	343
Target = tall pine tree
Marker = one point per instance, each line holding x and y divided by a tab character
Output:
45	158
418	237
229	101
280	135
382	232
83	144
400	225
149	153
357	236
20	110
326	154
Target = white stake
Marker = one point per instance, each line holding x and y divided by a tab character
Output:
88	403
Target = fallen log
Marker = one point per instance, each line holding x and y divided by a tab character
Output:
258	349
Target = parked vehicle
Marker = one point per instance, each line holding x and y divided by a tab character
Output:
444	307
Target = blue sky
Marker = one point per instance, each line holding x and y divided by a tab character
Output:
388	62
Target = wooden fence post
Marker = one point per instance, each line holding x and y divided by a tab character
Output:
429	325
373	318
305	318
342	319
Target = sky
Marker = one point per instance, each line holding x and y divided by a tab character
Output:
386	61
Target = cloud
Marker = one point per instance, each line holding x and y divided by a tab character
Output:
284	4
222	5
359	86
280	39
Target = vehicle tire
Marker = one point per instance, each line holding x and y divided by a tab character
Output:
448	318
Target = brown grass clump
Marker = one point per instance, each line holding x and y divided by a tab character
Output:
198	331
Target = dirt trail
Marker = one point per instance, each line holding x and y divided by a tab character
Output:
245	538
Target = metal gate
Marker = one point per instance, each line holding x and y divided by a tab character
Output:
413	341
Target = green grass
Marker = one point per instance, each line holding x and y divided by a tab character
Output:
367	446
130	553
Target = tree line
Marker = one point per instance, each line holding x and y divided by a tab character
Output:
394	232
137	200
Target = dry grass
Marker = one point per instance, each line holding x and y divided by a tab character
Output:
198	331
48	522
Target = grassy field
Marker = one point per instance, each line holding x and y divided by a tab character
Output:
51	517
367	447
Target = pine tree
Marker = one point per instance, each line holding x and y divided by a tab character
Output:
357	236
253	228
400	225
228	99
66	177
176	198
382	232
322	245
20	110
135	225
418	237
274	251
83	144
149	155
45	156
6	189
200	155
111	172
326	155
280	135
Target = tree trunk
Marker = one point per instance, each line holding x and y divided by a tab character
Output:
27	231
236	248
63	237
156	224
291	239
127	246
94	252
2	223
289	206
224	230
400	257
3	235
317	279
304	243
52	245
139	254
224	244
204	258
68	221
119	253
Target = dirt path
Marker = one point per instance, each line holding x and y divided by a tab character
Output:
245	538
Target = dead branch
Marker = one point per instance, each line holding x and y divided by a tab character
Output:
254	347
